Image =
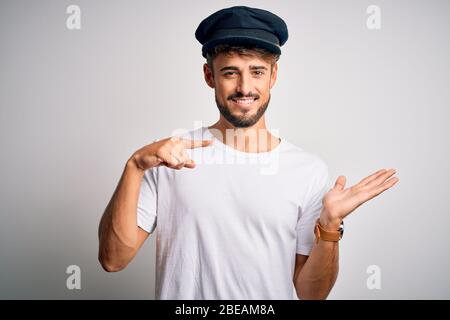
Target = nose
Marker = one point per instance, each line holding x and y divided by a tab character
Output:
244	85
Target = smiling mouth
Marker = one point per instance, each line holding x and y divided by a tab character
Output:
244	102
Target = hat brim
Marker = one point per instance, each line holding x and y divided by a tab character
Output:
241	40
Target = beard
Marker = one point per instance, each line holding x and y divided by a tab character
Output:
242	121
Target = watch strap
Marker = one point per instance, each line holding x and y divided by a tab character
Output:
326	235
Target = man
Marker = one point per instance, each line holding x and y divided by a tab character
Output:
225	229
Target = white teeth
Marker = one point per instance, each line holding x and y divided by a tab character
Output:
244	101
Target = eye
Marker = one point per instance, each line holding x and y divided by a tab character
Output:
259	73
228	73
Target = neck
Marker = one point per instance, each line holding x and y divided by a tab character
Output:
256	138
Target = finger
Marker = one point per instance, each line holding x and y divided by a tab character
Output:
340	183
179	166
371	177
159	161
190	164
182	158
176	148
190	144
175	165
175	158
172	160
386	185
381	178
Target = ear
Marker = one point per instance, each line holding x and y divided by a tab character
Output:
209	78
273	76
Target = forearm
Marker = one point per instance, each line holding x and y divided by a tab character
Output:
118	231
318	275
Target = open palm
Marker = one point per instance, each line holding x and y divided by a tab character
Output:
340	202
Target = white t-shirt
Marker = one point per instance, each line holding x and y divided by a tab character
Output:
230	228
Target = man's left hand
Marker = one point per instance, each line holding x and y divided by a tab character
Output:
339	202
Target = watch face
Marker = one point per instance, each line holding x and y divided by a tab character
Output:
341	229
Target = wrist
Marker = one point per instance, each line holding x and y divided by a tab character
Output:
132	164
329	223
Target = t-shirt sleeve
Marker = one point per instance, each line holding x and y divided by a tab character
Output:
308	215
147	203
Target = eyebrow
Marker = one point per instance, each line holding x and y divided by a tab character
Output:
252	67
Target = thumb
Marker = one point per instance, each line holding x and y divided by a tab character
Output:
340	183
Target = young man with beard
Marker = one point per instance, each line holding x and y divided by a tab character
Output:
225	229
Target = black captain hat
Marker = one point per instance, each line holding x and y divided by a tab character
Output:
241	25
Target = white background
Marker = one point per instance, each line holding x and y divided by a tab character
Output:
75	104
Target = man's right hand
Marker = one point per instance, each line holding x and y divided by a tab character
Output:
169	152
